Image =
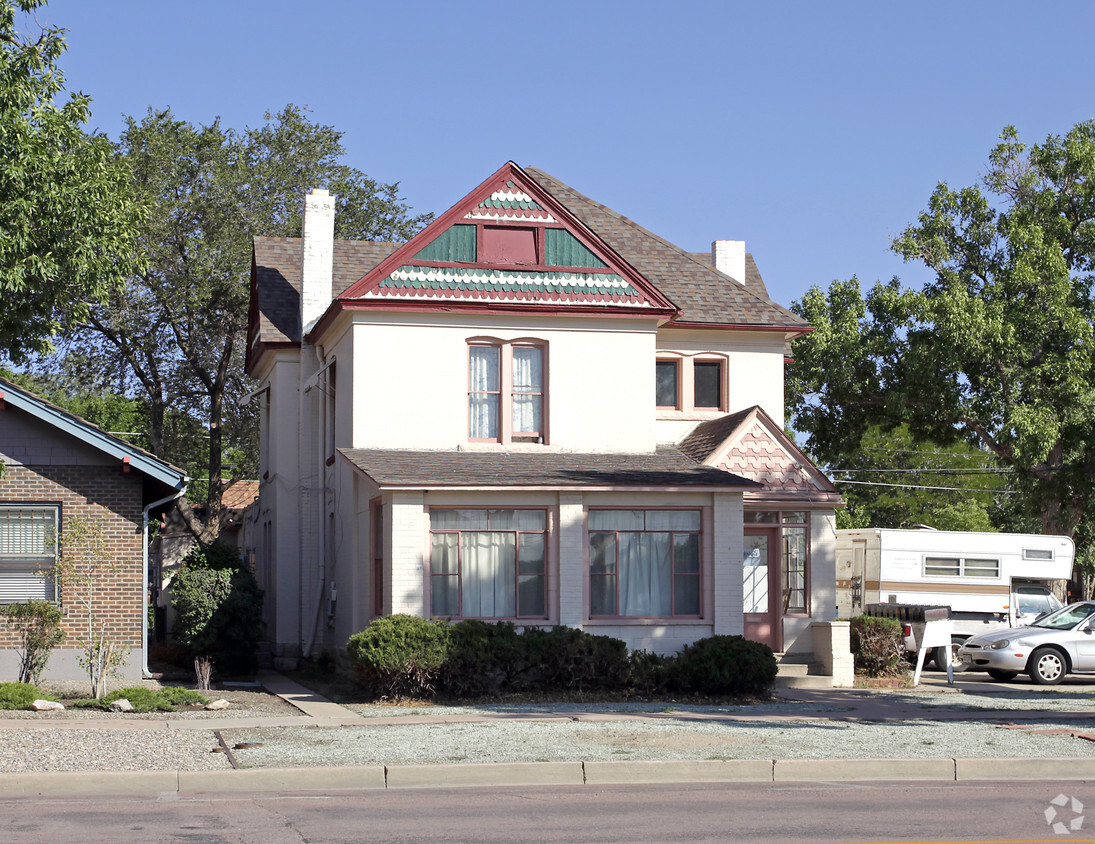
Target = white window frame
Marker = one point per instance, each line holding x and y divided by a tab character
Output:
32	567
962	566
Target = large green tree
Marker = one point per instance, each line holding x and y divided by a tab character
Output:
68	222
174	334
996	350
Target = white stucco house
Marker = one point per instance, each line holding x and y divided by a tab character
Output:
535	410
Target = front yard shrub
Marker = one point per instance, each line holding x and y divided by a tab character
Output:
878	646
726	665
401	656
651	674
566	659
20	695
484	659
218	611
147	700
37	625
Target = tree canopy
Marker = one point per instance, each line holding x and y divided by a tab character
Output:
67	218
173	335
995	351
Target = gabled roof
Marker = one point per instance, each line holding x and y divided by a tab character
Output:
667	468
751	444
135	458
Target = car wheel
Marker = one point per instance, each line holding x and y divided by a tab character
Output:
1047	667
1001	675
940	657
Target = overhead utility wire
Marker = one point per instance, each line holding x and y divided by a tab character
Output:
914	486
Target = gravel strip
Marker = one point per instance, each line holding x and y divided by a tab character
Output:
23	751
565	740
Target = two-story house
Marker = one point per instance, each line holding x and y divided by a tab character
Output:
534	410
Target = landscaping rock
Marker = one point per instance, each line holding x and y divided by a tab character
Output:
121	705
47	706
218	704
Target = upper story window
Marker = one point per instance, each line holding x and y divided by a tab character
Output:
506	392
28	550
691	383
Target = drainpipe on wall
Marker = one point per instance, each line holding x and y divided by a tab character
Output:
146	672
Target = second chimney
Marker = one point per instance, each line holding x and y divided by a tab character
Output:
317	259
729	258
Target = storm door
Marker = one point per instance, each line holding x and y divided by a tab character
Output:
761	589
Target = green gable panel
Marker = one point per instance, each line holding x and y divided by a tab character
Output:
456	243
562	249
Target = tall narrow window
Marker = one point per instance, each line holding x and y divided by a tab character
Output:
484	395
376	526
707	379
528	393
668	374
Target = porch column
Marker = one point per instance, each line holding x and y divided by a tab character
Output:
409	536
571	560
728	543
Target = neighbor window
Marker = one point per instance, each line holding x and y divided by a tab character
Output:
28	551
488	563
961	567
506	392
644	563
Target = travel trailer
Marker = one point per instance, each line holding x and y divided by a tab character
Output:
989	580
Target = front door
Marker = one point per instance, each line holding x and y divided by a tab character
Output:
760	570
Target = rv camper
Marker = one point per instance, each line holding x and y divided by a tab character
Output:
989	580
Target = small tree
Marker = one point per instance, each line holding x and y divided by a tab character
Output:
84	572
218	610
38	626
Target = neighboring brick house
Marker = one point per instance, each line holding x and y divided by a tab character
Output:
535	411
58	467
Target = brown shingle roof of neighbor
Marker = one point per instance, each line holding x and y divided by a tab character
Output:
702	293
277	279
665	468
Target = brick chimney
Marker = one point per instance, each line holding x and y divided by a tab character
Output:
729	258
317	258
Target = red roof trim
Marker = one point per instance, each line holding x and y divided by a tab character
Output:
409	305
797	330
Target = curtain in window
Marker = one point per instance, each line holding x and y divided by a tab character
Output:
488	574
484	392
528	388
646	572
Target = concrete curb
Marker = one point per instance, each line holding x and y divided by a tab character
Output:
531	774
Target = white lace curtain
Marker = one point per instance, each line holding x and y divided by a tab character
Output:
484	393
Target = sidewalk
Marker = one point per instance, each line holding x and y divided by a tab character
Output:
849	705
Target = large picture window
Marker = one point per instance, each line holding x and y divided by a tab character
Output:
506	392
488	563
644	563
28	551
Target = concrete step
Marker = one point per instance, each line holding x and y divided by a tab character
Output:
794	671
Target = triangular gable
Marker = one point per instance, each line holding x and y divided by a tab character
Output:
509	244
752	445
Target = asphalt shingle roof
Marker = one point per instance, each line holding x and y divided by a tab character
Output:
667	467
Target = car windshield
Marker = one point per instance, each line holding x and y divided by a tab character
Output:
1066	617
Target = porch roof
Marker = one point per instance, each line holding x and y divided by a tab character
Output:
666	469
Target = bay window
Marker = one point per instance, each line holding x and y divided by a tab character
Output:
488	563
644	563
506	392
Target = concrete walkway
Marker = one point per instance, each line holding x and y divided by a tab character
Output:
317	711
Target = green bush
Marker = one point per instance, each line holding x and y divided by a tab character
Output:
484	659
725	665
37	624
218	608
651	674
878	646
401	656
568	659
20	695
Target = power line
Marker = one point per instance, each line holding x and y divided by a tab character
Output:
914	486
971	471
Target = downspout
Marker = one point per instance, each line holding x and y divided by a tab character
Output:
146	672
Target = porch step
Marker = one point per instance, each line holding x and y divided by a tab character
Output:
795	673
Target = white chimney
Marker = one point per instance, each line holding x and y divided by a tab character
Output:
729	258
318	257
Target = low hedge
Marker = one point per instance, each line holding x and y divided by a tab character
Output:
404	656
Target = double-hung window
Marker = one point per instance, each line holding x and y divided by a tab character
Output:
28	551
506	392
488	563
644	563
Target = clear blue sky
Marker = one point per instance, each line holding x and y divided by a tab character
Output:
813	131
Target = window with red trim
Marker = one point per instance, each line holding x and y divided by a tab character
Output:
506	392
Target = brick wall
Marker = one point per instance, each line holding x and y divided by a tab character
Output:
99	494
